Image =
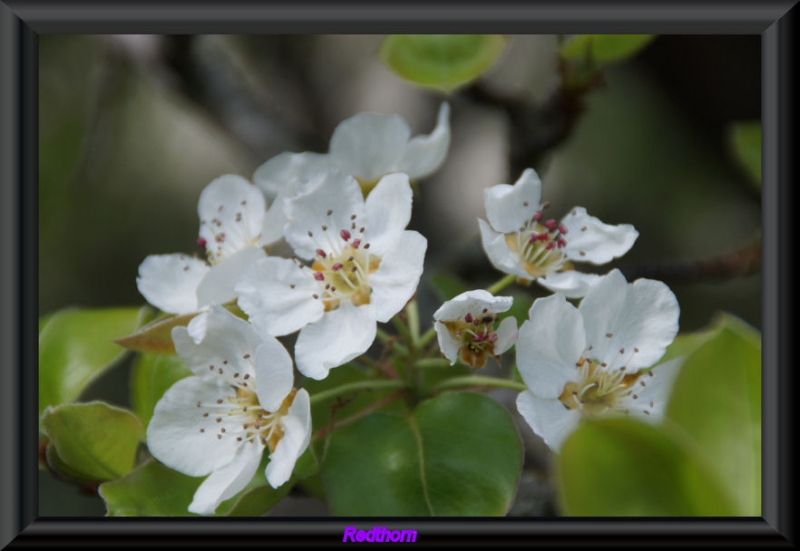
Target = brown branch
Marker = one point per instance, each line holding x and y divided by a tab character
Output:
356	416
741	262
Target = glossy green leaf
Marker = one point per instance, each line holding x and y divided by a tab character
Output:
95	440
745	141
155	337
441	61
458	454
152	490
605	48
76	347
151	376
717	402
623	467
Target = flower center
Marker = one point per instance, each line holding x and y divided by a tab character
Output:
239	415
597	389
343	273
539	245
477	336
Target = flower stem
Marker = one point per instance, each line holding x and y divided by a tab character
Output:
412	312
432	362
476	380
427	336
502	284
351	387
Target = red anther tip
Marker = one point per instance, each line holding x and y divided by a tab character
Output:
476	322
321	253
356	243
480	337
563	229
202	242
337	266
542	237
493	337
538	216
533	237
344	234
551	224
468	318
319	276
550	245
561	243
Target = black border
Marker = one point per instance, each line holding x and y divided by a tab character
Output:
21	21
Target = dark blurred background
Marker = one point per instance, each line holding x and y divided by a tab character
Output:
132	128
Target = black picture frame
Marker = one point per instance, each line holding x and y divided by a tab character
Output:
22	21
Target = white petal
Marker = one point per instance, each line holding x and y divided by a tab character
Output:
231	213
369	145
225	342
397	277
599	243
656	390
169	282
296	436
472	302
227	481
388	210
174	437
273	175
273	306
449	346
549	345
218	285
641	319
423	155
506	335
569	283
548	418
509	207
338	194
275	219
274	374
337	338
501	257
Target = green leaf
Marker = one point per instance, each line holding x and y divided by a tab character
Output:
76	347
605	48
151	376
745	141
623	467
448	286
716	400
156	336
152	490
458	454
441	61
95	441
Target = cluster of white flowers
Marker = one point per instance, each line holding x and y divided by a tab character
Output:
360	266
576	362
344	214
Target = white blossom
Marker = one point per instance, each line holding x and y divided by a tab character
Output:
465	327
363	266
367	146
593	360
239	402
231	213
520	240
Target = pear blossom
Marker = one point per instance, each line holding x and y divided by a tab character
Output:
367	146
239	402
595	360
231	213
465	327
362	267
520	240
